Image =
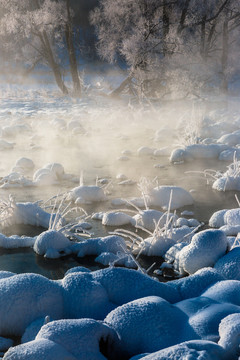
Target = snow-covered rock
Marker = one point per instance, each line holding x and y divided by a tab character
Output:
161	195
205	249
116	218
52	244
86	194
148	324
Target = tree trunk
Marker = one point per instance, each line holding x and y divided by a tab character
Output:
203	39
50	58
72	54
53	65
166	26
224	60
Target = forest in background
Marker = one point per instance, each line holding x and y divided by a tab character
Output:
168	47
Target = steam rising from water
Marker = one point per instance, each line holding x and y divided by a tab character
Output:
101	137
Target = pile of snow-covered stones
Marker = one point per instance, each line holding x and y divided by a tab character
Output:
118	313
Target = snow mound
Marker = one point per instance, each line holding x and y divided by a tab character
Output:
189	350
116	218
148	324
86	194
149	218
28	297
229	265
27	213
161	195
96	246
197	151
204	250
52	244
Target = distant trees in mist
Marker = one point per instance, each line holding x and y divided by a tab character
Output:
169	46
41	32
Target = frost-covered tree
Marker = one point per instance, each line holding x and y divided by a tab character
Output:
36	31
166	43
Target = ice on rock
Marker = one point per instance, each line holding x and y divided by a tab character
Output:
229	264
52	244
149	324
116	218
205	249
86	194
161	195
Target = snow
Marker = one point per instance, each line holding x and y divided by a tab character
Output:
28	297
149	218
116	218
86	194
194	350
96	246
229	265
161	195
148	324
204	250
117	312
27	213
51	240
197	151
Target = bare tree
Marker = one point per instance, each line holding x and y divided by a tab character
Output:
36	32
